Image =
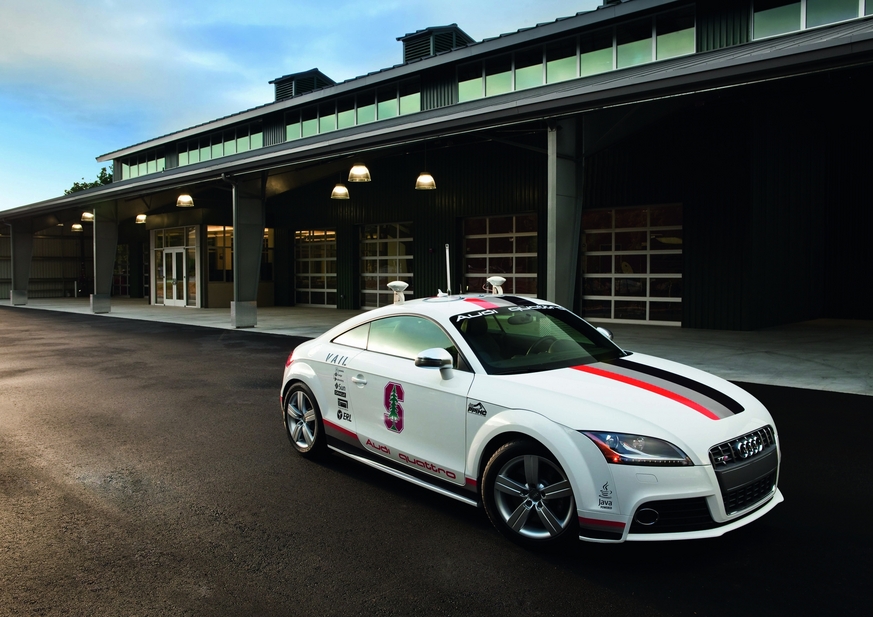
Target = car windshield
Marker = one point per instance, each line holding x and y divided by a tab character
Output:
525	339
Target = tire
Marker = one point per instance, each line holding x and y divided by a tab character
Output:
303	423
528	497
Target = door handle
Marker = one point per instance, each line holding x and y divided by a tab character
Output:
359	380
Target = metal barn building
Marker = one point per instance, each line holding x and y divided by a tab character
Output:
699	164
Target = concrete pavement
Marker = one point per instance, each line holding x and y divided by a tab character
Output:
824	354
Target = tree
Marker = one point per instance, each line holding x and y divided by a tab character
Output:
103	178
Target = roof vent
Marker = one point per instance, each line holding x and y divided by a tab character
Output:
432	41
300	83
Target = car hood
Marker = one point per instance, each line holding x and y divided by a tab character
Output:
637	394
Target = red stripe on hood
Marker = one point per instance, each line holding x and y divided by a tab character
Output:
482	303
647	386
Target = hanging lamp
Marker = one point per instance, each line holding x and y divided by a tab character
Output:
359	173
339	191
425	182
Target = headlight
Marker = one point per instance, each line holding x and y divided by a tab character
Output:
624	449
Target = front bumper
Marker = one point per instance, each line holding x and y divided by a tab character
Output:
702	501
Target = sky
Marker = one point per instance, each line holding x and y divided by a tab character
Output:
82	78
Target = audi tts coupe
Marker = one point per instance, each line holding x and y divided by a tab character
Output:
521	407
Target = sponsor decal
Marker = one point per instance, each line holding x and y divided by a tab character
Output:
537	307
474	315
604	500
338	374
392	398
379	447
477	409
343	403
338	393
338	385
343	416
337	359
427	466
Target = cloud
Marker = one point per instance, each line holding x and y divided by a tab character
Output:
110	74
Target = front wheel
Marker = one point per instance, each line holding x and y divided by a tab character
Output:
303	423
528	497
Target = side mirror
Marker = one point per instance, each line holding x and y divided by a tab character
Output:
436	358
605	332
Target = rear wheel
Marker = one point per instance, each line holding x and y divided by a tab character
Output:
303	423
528	496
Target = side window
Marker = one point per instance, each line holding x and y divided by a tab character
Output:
356	337
407	336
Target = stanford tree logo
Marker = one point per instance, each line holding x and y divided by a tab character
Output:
393	409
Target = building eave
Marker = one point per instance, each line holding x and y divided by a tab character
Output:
840	46
601	15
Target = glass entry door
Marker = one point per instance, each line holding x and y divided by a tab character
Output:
175	274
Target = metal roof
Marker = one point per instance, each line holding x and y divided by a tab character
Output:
433	29
840	45
600	15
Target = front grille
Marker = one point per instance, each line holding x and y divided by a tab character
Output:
746	468
729	452
747	495
676	515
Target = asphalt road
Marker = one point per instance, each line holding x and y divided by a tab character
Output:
144	471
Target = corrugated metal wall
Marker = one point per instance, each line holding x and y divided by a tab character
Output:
274	129
59	266
722	23
774	199
472	180
438	88
5	267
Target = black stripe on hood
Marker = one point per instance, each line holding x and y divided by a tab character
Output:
685	382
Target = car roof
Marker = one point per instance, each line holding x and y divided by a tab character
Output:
448	306
440	308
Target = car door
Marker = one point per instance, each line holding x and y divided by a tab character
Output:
410	414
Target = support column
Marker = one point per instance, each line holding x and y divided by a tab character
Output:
248	244
21	244
564	218
105	248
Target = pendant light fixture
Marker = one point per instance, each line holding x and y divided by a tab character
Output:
339	191
425	181
87	217
76	227
359	173
185	201
140	219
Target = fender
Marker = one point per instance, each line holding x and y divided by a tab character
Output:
300	370
578	456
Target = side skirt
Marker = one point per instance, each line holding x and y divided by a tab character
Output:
344	449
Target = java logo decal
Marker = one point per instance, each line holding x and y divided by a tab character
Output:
393	409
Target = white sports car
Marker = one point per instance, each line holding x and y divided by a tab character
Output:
522	407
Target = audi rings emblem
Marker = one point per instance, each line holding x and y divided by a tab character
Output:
749	446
